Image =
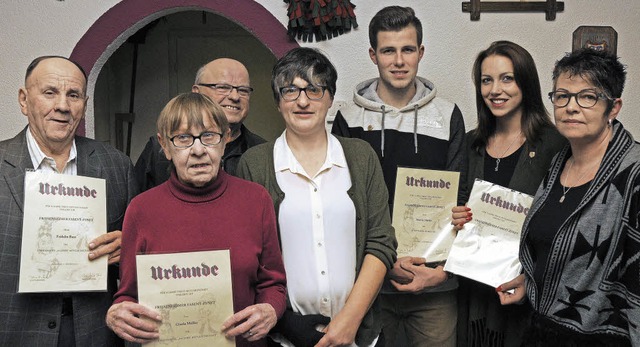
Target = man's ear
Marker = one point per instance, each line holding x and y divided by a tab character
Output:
421	51
84	107
372	55
22	100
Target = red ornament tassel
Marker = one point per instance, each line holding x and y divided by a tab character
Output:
322	19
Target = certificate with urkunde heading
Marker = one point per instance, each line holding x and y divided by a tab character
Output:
62	214
486	249
193	293
422	212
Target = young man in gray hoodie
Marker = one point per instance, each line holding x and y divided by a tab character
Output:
400	115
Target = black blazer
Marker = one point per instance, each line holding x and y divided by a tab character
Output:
532	166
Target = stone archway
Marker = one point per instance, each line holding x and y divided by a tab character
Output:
127	17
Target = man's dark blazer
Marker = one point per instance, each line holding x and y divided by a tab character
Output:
34	319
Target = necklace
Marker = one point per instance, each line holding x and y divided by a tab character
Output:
506	150
567	189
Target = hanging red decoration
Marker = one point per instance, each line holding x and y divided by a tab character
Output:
322	19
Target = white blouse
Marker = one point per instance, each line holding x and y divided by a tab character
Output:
317	228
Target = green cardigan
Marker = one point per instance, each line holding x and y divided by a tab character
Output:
374	233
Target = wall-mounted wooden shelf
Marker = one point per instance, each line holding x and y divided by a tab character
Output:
550	7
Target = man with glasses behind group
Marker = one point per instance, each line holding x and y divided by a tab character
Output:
225	81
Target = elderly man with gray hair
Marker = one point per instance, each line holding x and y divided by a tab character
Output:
225	81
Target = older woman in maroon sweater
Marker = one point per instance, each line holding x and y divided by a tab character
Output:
202	208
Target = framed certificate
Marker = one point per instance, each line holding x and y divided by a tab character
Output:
62	213
193	293
422	212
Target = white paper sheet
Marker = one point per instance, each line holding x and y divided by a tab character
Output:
486	249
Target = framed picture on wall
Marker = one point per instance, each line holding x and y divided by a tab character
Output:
602	38
550	7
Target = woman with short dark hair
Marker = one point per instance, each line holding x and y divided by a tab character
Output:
333	216
581	239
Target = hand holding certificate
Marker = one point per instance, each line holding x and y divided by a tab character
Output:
192	292
421	212
486	248
62	214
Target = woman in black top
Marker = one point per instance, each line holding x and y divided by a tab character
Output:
512	146
581	239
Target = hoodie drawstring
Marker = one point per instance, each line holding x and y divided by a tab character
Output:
415	127
382	132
